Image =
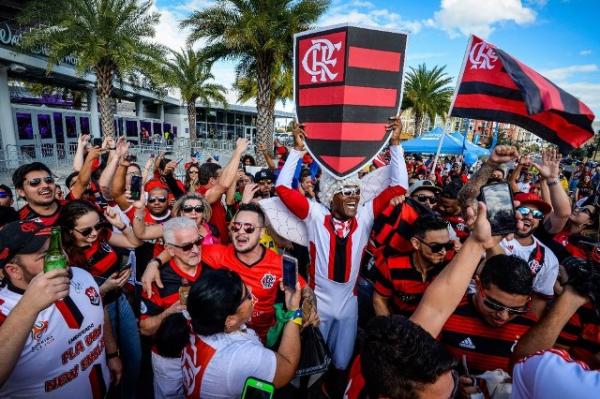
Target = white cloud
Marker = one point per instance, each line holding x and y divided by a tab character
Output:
479	17
585	52
587	92
364	13
563	73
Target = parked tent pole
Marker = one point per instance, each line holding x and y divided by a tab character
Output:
437	154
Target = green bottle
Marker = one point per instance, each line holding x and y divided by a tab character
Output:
55	257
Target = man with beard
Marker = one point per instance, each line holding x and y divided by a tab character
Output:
338	230
449	209
405	278
34	183
264	178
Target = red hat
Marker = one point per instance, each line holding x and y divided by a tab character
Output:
155	183
533	199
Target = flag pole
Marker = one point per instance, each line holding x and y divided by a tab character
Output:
462	71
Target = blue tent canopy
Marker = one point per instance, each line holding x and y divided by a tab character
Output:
469	146
428	143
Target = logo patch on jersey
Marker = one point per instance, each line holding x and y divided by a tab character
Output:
534	266
92	294
38	329
467	343
143	308
268	280
510	249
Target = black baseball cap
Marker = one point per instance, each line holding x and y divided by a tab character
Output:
264	174
22	237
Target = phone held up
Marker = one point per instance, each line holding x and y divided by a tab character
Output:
500	209
136	187
290	271
257	389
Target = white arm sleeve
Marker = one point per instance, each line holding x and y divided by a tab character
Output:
399	175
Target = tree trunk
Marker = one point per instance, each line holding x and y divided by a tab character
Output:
191	111
419	119
104	75
264	117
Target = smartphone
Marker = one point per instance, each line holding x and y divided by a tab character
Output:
97	142
136	187
179	161
500	209
290	271
257	389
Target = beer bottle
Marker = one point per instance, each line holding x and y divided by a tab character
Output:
55	257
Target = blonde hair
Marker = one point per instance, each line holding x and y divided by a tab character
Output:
206	215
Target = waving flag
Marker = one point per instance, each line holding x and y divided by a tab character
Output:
495	86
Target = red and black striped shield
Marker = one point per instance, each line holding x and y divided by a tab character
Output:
348	81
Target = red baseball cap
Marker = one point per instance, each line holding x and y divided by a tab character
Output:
533	199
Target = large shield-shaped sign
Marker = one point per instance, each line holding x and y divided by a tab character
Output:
348	81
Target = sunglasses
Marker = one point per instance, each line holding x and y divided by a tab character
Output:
349	191
152	200
193	172
188	247
249	228
498	307
536	214
190	208
4	194
88	230
437	247
422	198
576	210
38	180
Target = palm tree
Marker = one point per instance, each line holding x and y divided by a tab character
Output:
282	88
190	72
108	37
258	34
426	92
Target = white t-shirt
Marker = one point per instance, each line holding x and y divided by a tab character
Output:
545	273
64	355
217	366
553	374
524	187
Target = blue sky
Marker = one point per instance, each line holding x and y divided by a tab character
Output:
559	38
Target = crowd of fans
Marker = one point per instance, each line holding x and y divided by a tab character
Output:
178	292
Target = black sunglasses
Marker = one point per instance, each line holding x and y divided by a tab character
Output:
152	200
88	230
437	247
188	247
249	228
422	198
38	180
190	208
498	307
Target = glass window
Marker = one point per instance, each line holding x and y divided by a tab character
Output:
248	120
174	131
71	123
157	128
146	125
200	115
239	131
230	118
166	127
220	116
211	116
230	132
239	119
121	124
131	128
44	126
84	123
58	124
24	125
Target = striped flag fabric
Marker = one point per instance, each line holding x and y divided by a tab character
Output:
348	82
495	86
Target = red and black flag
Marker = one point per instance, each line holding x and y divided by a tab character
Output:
496	86
348	81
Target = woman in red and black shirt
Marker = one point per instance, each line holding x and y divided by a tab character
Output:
90	243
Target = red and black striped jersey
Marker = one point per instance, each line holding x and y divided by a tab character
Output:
582	336
398	278
486	347
101	258
26	213
162	298
262	278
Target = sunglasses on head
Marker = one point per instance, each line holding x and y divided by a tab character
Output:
188	247
88	230
152	200
535	213
38	180
190	208
349	191
437	247
422	198
249	228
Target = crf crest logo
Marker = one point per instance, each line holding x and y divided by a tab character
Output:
268	280
534	266
92	294
319	58
482	56
38	329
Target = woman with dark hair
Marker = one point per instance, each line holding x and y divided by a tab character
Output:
191	178
248	160
219	305
89	241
